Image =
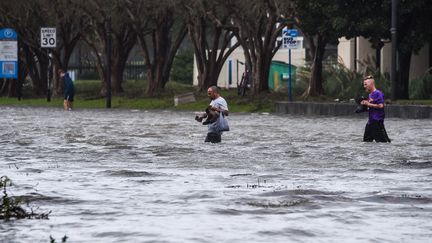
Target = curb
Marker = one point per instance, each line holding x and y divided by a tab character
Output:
347	109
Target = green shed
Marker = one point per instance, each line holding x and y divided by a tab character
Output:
278	75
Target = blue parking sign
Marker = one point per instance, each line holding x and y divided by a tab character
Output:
8	53
289	32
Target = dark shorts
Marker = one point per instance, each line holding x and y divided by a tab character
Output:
376	131
69	97
213	138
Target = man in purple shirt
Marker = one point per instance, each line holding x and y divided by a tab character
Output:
375	129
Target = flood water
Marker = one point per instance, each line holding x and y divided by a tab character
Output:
147	176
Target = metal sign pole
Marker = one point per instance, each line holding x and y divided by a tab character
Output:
48	40
289	76
49	75
20	82
289	40
394	67
108	64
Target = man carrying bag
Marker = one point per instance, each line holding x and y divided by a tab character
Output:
219	104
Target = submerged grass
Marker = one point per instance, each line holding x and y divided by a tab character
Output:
134	97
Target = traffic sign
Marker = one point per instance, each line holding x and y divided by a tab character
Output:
289	32
8	53
290	42
48	37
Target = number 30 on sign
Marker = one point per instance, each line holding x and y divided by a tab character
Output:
48	37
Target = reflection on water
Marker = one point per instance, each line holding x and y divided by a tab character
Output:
137	176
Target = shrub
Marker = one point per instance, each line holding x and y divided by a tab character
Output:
421	88
182	69
10	206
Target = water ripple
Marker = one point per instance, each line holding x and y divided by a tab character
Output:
113	175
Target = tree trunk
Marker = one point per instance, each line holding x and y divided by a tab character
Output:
3	83
13	87
213	75
317	49
210	59
202	75
160	62
266	60
37	66
117	70
152	81
259	47
402	90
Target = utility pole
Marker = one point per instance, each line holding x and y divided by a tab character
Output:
108	63
394	62
49	74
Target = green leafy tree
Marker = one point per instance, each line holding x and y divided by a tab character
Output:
182	70
313	18
413	32
322	23
373	23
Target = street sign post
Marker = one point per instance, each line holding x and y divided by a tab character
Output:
48	40
289	40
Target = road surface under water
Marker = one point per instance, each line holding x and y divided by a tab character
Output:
147	176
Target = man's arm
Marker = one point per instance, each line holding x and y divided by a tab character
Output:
226	112
368	104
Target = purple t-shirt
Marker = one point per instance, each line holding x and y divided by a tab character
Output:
376	114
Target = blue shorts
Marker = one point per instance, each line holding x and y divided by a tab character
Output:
69	97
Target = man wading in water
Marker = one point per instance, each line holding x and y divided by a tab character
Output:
375	129
218	104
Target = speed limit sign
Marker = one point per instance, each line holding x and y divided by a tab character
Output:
48	37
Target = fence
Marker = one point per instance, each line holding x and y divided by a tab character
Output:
131	72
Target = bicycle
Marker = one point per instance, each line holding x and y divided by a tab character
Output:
244	83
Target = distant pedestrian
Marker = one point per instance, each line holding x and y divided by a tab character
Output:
375	129
69	90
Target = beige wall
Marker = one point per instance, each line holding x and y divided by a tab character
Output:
346	52
386	62
364	53
419	62
297	59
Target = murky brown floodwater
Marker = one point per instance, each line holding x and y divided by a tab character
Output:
137	176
